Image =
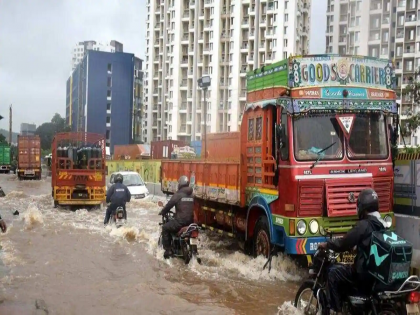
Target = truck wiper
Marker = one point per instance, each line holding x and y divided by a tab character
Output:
321	156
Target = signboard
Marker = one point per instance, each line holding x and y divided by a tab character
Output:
335	92
330	70
346	124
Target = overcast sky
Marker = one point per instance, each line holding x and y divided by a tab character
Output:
37	38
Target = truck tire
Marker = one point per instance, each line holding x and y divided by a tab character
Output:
55	204
261	243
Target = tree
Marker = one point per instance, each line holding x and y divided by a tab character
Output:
46	131
2	138
411	93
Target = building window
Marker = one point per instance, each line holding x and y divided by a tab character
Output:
108	106
109	82
285	30
108	93
109	68
108	119
108	134
286	17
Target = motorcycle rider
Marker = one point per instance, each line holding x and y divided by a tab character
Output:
183	201
117	195
341	277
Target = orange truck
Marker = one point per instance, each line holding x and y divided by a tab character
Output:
316	130
29	157
78	169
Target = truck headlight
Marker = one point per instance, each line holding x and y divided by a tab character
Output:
388	221
313	226
301	227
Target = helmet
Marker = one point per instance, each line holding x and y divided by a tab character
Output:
118	178
183	182
367	200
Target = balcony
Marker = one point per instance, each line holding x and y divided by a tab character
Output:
245	21
184	106
183	128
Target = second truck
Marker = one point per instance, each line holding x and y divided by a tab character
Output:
316	130
5	158
29	157
78	169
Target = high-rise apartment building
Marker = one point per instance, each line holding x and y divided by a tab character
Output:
384	29
188	39
104	96
81	48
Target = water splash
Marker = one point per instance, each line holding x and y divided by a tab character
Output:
32	217
288	309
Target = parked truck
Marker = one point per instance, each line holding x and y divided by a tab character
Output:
316	130
29	157
78	169
5	158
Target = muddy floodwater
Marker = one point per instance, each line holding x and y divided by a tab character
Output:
65	262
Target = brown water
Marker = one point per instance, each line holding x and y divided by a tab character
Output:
68	263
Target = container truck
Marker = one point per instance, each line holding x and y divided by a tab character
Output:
78	169
315	131
29	157
5	158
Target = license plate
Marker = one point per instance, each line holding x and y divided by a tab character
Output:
29	172
412	309
346	258
193	241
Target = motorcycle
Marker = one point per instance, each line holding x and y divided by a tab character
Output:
118	217
401	298
184	243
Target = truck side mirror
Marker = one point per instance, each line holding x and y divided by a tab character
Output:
282	141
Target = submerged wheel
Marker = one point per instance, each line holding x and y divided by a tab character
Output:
186	253
262	244
303	299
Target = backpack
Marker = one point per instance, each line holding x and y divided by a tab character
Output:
389	257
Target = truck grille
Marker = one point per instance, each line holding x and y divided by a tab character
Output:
383	187
311	198
338	192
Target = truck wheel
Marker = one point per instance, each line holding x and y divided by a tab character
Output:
262	245
55	204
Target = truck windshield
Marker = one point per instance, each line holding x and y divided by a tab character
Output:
132	180
368	138
314	133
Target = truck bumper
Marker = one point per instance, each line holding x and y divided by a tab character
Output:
303	246
79	202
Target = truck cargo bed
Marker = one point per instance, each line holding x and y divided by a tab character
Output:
216	181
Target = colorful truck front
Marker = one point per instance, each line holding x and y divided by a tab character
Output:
78	169
334	140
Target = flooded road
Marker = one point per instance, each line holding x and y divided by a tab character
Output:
67	263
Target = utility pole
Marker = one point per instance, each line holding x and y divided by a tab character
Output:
10	125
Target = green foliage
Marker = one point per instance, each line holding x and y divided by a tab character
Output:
410	125
2	138
47	130
410	150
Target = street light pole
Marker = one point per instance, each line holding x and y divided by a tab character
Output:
204	83
205	123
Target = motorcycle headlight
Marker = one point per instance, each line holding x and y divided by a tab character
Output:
301	227
388	221
313	226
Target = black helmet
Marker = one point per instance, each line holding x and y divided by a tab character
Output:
183	182
367	200
118	178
